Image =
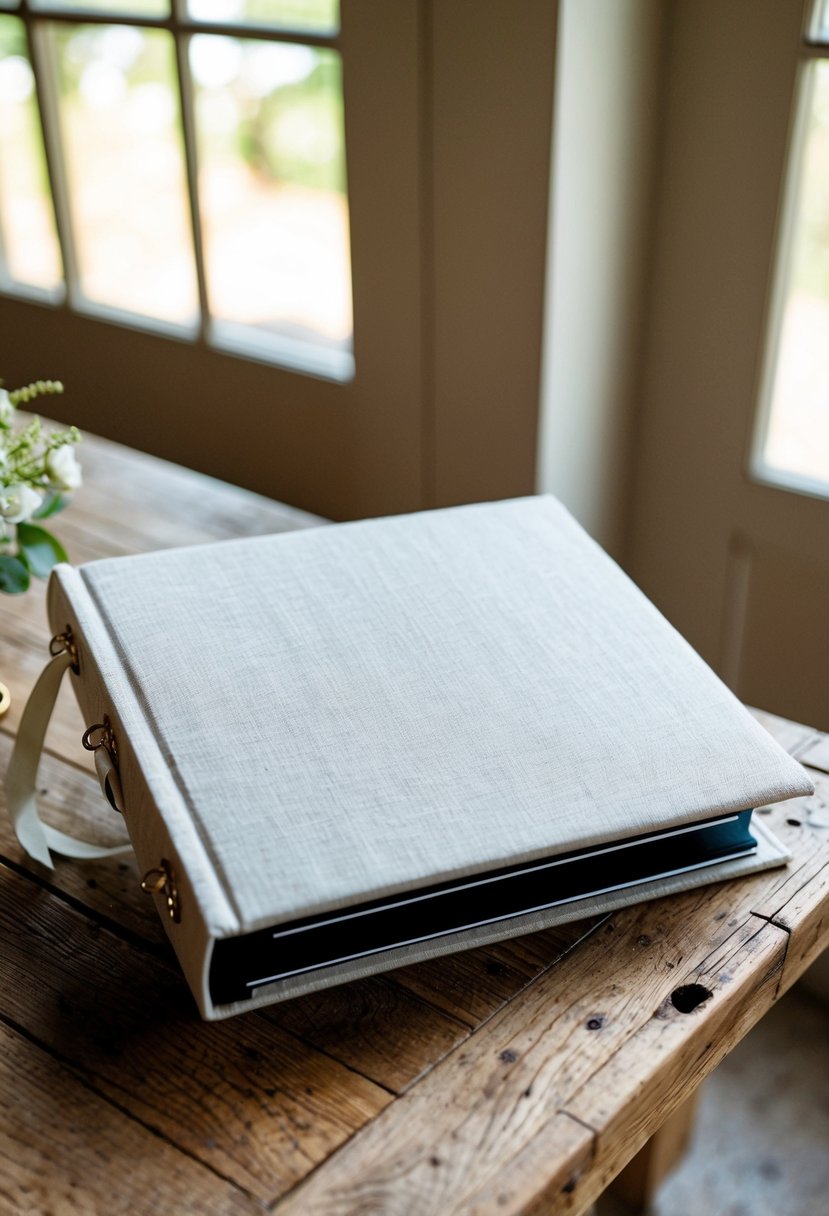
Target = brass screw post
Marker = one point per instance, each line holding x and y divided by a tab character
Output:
162	879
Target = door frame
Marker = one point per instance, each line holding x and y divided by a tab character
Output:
722	554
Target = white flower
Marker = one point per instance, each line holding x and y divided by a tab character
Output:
17	503
6	407
63	468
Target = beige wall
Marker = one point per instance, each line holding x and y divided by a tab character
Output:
493	70
606	119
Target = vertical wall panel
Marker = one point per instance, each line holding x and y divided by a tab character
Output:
492	83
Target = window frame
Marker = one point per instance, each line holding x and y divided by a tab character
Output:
813	48
207	330
448	116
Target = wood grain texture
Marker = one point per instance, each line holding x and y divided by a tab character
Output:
254	1103
65	1150
394	1028
490	1099
141	496
639	1181
474	985
798	899
375	1027
626	1101
561	1155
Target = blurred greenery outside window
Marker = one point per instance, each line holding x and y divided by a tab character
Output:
183	170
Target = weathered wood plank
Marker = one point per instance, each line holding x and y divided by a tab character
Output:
375	1027
641	1178
814	752
475	984
378	1027
99	525
64	1149
797	897
484	1103
392	1029
630	1096
560	1156
244	1097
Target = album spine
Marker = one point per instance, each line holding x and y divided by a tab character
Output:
158	821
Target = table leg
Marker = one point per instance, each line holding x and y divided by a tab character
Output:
639	1180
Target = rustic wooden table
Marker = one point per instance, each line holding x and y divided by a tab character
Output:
516	1078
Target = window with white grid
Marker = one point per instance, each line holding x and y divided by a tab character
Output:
179	165
791	443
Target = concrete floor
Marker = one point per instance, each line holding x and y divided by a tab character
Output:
761	1141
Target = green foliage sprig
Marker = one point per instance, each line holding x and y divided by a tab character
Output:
38	472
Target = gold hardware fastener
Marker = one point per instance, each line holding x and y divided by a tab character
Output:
162	880
66	642
5	699
101	735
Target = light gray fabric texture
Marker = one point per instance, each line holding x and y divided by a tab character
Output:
349	711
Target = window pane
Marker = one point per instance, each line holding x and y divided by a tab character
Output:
272	187
797	439
28	243
320	15
130	8
820	30
125	168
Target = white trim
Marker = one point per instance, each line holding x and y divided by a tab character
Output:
758	468
814	50
134	320
291	353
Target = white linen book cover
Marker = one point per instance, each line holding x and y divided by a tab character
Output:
357	746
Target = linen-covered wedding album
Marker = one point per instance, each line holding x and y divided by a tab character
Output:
347	748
